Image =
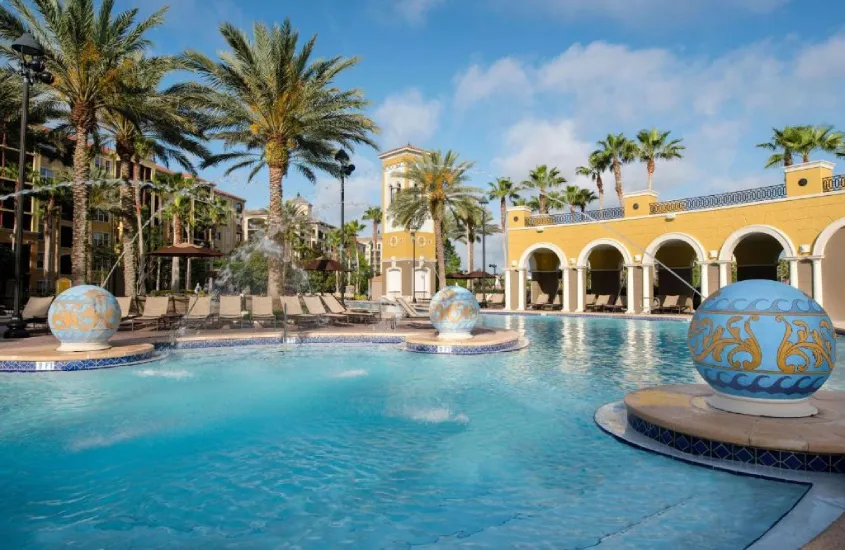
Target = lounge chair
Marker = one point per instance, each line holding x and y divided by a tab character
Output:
199	311
589	300
410	312
314	306
262	309
35	311
555	303
127	316
542	302
668	305
156	311
230	310
616	304
293	312
686	305
496	301
601	301
352	316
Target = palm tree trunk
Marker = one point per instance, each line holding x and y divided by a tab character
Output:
805	157
571	207
81	172
543	208
617	175
373	247
274	228
158	273
139	222
600	186
503	206
787	158
440	250
177	239
48	236
650	168
127	210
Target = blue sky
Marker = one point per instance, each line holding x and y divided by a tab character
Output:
514	84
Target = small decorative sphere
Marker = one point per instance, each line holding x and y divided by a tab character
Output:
764	347
83	318
454	313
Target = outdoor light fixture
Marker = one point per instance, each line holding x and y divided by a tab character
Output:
32	68
345	171
413	233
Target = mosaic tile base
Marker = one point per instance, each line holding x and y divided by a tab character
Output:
78	364
511	345
697	446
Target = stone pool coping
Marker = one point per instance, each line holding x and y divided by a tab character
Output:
821	507
46	358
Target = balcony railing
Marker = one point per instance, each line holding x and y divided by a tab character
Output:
577	217
833	183
722	199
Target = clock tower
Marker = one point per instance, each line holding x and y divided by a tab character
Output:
408	262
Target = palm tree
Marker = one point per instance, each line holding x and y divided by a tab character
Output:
818	138
42	108
86	50
597	164
787	141
572	197
283	108
471	222
438	188
619	150
375	215
543	179
503	190
178	210
50	199
654	145
163	125
585	197
533	202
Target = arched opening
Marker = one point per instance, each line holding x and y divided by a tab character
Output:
831	245
759	256
543	287
675	271
605	272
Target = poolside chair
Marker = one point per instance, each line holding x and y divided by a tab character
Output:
410	312
262	309
230	310
601	301
556	304
156	311
293	312
199	311
496	301
35	311
314	306
668	305
589	300
686	305
657	302
616	304
542	301
353	316
127	316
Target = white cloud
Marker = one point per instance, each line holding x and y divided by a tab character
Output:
415	11
361	191
506	75
407	117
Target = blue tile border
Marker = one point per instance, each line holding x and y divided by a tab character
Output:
78	364
772	458
453	349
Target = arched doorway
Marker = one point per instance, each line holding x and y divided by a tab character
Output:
602	271
828	271
758	252
673	265
542	282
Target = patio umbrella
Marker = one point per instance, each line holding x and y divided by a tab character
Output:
457	276
188	250
323	264
479	275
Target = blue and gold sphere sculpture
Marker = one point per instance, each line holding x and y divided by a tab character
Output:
83	318
454	313
764	347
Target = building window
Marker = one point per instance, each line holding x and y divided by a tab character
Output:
46	173
239	207
102	216
100	239
66	237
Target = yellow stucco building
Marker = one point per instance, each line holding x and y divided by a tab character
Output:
407	260
793	231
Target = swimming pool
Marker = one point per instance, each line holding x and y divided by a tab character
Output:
365	446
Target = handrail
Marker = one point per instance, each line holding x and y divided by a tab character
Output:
613	213
833	183
743	196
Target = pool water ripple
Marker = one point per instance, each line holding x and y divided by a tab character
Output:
367	447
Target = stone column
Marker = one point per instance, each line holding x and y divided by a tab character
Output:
647	287
521	286
817	279
581	286
508	275
724	273
632	291
564	278
705	279
793	272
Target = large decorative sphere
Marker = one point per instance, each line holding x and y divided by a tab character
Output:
83	318
764	347
454	313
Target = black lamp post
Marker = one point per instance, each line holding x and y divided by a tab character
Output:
483	203
346	170
31	68
413	234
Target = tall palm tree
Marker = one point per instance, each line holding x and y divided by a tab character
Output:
177	188
585	197
438	188
818	138
785	143
572	197
374	214
597	164
281	107
543	179
86	50
655	145
503	190
42	108
532	202
470	224
162	124
620	150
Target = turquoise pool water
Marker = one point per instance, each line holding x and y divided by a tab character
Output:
335	446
